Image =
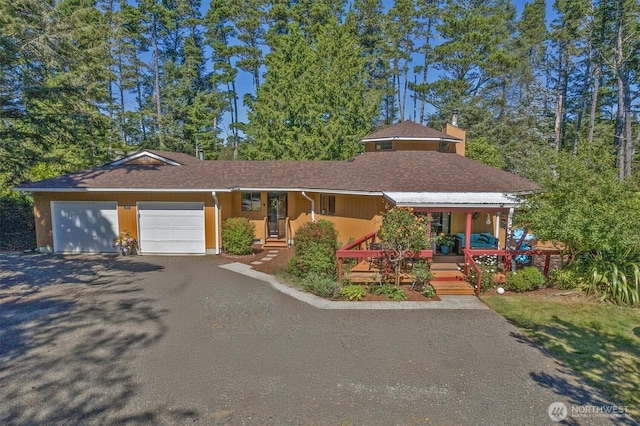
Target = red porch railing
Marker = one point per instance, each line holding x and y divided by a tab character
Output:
507	256
355	250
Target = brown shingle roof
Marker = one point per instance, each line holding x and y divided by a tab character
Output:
409	130
399	171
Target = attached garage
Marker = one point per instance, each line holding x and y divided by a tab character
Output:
84	226
171	228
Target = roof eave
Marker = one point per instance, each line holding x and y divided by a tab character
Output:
395	138
233	189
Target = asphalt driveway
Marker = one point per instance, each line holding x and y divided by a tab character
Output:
178	340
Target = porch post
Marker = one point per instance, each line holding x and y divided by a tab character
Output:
429	227
509	236
467	232
547	261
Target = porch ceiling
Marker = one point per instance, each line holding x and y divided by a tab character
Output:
453	199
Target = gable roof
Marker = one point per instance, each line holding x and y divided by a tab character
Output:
409	130
369	173
160	157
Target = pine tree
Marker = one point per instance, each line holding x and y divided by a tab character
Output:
314	102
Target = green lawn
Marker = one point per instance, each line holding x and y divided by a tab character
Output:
600	341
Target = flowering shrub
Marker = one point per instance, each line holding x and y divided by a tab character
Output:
489	266
126	242
445	240
403	235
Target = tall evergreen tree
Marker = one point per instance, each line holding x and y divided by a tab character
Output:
400	28
314	102
474	56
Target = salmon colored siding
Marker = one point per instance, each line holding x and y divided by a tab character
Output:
356	215
42	214
127	218
456	132
478	225
146	160
400	145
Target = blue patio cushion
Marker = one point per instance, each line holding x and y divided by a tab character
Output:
481	240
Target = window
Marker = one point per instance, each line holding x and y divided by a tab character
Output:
251	202
328	204
444	146
385	145
441	223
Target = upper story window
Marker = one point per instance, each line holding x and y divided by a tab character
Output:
444	146
251	202
328	204
383	145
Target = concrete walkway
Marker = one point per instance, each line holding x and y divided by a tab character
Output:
446	302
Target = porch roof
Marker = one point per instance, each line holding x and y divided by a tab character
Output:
453	199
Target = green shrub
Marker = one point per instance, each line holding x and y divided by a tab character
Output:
566	279
17	225
422	273
353	292
321	286
615	277
237	235
616	283
390	291
526	279
315	246
428	291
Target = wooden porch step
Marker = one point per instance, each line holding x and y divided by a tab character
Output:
447	267
456	287
447	259
448	276
275	243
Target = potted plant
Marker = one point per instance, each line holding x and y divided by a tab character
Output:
126	243
445	242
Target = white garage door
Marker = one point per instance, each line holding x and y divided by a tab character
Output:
84	227
171	228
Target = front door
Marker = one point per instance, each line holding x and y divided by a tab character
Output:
277	212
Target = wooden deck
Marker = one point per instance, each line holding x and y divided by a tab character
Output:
448	274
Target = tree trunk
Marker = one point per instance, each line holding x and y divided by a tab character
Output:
594	104
156	83
583	100
425	69
123	133
629	148
558	123
619	142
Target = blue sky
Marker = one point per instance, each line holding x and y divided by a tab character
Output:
245	84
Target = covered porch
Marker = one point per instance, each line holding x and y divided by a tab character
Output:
367	261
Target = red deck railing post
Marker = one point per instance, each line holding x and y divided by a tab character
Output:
547	262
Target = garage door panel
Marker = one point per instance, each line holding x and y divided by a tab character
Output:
84	227
171	228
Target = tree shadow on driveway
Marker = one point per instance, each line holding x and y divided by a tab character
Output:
70	326
570	384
